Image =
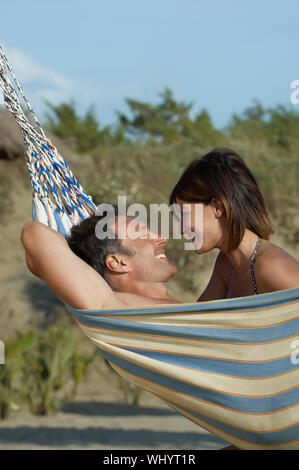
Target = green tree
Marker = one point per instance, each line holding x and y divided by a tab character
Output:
279	126
64	122
167	121
283	125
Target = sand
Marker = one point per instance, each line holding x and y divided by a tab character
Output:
93	425
99	420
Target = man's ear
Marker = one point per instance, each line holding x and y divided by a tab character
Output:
117	264
218	207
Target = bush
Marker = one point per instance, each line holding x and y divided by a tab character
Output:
11	371
43	370
130	392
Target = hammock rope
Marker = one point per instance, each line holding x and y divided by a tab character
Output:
227	365
59	200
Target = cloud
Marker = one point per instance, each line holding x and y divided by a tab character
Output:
42	84
38	82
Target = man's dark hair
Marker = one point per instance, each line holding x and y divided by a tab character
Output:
83	241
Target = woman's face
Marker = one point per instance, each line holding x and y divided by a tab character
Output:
204	224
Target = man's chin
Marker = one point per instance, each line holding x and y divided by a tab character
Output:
168	272
173	269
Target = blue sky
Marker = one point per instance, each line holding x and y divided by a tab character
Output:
218	54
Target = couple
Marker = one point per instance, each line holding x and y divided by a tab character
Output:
122	272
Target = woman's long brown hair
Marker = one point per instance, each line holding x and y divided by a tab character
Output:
222	174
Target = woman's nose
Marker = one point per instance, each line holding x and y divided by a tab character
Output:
161	241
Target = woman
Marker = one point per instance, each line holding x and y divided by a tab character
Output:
235	220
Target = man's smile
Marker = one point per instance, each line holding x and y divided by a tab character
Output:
161	255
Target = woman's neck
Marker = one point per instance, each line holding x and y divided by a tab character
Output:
240	257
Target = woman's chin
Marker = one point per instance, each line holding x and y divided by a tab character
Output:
199	250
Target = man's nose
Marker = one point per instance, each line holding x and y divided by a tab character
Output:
157	239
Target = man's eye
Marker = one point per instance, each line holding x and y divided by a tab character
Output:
142	231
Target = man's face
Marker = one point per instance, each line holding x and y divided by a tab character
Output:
148	262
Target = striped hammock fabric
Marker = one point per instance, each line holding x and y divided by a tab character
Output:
228	365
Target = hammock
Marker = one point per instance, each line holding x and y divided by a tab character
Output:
228	365
58	199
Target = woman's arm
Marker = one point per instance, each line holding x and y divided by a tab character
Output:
49	257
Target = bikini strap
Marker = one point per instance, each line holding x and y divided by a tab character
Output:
251	266
253	256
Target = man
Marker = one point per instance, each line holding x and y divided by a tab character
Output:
89	273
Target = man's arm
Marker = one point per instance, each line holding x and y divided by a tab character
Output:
49	257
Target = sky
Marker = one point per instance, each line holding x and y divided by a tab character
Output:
220	55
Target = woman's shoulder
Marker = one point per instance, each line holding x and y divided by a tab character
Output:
270	253
275	269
